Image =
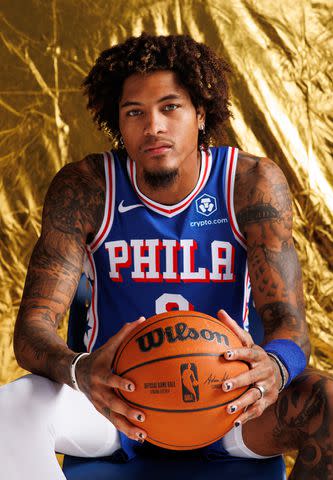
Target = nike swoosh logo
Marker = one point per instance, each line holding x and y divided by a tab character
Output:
125	208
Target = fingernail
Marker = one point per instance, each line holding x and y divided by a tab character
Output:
140	417
228	354
227	386
233	409
130	387
237	423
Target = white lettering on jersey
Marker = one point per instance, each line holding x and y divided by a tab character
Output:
222	262
119	257
143	257
189	274
171	260
146	266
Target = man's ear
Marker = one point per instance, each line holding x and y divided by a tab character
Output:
201	115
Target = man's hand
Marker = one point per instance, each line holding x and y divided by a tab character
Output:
263	373
95	379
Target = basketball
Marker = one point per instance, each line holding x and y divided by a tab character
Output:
175	361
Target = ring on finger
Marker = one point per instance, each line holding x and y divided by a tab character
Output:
262	390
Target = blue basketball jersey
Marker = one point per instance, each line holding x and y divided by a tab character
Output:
148	258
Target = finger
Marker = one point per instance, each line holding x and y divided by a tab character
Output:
244	336
117	405
247	399
248	378
115	381
123	425
116	340
254	411
250	355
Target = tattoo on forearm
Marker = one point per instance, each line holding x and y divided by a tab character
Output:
37	340
274	315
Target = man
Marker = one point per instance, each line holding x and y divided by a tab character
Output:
161	223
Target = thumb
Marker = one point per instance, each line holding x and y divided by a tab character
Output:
244	336
113	343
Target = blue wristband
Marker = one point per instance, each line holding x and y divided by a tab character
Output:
290	354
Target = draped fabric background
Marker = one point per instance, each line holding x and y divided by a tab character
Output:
281	55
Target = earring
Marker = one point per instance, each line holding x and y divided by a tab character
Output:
121	142
202	127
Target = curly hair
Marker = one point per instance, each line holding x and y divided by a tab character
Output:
197	67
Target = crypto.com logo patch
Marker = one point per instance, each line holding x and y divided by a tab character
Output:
206	204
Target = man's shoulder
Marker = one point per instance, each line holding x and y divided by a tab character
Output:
90	164
255	170
258	179
249	163
89	170
75	199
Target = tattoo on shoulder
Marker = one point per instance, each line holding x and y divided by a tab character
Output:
262	194
256	214
75	201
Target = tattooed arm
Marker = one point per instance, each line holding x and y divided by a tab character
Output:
264	214
72	213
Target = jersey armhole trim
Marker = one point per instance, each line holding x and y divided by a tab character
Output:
92	333
106	225
246	298
232	158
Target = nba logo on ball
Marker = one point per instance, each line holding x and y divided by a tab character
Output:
190	384
206	204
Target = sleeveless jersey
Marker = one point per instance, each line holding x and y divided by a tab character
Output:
149	258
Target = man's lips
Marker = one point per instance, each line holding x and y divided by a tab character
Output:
158	148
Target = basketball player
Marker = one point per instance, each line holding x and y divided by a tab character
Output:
163	222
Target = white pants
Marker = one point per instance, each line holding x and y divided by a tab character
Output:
39	417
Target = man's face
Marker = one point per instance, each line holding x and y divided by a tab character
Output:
159	125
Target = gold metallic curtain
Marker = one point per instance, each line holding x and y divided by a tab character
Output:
280	52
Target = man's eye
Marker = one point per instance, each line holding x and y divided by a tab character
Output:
170	107
133	113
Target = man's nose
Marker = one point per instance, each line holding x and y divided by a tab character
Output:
154	123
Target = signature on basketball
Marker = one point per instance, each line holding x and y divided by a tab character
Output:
212	379
179	332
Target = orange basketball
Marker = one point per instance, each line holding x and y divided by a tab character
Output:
175	360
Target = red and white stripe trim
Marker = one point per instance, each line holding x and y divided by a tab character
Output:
110	191
101	235
167	210
246	297
232	158
92	335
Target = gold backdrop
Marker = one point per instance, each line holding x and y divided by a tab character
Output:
281	93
